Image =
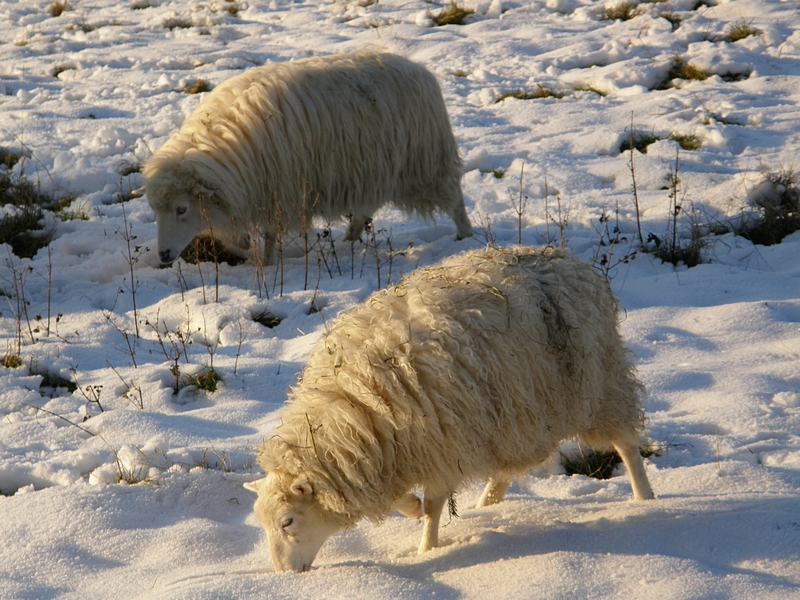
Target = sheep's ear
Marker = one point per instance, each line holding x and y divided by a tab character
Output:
253	485
199	188
301	487
139	191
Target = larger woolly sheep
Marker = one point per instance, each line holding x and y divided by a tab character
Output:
269	149
473	368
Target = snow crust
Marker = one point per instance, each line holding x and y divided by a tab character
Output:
92	92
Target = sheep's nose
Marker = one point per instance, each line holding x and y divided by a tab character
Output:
165	256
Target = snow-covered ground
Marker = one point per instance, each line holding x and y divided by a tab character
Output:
89	93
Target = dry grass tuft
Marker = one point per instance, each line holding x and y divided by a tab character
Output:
59	69
81	24
498	172
267	319
599	465
730	76
177	23
20	227
59	7
624	11
205	248
674	19
54	381
198	87
777	199
452	15
133	466
11	360
682	69
8	159
687	141
21	230
709	116
640	140
539	93
688	253
206	380
590	88
740	30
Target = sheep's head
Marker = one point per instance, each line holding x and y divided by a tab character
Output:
296	524
183	207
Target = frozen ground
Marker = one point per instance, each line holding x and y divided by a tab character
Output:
95	90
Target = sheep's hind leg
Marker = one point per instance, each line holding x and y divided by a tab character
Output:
268	251
356	227
409	506
629	452
432	507
493	492
460	218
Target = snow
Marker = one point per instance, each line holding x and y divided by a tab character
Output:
88	94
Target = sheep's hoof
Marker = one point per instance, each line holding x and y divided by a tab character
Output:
425	548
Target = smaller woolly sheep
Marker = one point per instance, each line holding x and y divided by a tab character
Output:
477	367
270	149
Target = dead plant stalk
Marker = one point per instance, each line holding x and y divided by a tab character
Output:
131	254
129	342
138	403
632	167
519	204
675	203
49	285
19	275
242	338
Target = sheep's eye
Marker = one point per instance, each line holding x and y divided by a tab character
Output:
286	523
180	210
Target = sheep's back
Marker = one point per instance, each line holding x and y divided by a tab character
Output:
325	136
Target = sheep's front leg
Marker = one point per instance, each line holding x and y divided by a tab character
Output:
493	492
460	218
432	509
268	249
356	227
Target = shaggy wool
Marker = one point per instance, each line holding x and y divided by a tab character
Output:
476	367
269	149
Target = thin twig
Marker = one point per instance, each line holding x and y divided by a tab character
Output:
632	167
44	410
313	441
